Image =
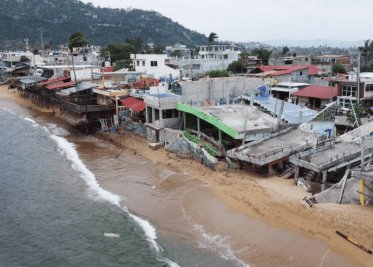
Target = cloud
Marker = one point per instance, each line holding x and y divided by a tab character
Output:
256	20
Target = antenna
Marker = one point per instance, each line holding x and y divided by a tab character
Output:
26	41
41	40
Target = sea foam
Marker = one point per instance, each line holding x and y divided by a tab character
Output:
68	150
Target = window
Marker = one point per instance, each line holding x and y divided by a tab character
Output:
138	63
153	63
143	63
225	56
369	88
349	90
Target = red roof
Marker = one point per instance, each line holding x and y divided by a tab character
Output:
60	85
320	92
62	79
283	70
133	103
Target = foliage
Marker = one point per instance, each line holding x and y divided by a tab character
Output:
176	53
212	37
117	52
121	64
367	68
285	51
236	67
366	52
217	73
261	53
24	59
338	68
77	39
58	19
359	112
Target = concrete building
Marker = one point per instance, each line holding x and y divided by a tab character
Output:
326	62
285	90
316	97
154	65
219	51
160	113
213	57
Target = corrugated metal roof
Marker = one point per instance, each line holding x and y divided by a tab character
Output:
60	85
319	92
133	103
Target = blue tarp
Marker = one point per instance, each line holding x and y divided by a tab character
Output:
292	113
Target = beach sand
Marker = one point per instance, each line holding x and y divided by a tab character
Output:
265	217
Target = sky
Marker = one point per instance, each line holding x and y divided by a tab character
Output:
262	20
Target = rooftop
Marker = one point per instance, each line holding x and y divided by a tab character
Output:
319	92
234	120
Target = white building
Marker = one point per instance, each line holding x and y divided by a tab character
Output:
154	65
219	52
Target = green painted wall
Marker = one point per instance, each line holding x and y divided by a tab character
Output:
208	118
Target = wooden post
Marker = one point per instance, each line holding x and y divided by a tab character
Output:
198	125
220	138
270	169
343	185
324	178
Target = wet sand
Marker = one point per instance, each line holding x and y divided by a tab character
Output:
263	219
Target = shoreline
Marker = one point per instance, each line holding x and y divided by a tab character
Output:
275	201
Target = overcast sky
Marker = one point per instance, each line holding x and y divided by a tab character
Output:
260	20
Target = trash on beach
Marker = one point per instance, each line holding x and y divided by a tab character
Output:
303	183
111	235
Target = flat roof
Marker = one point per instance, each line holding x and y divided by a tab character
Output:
292	84
234	120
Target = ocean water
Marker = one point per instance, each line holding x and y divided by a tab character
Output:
53	212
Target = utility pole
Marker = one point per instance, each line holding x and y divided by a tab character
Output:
42	44
358	78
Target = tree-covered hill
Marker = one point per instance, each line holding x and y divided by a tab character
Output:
56	19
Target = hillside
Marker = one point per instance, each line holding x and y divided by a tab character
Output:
57	19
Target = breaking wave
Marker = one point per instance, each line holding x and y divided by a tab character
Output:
68	150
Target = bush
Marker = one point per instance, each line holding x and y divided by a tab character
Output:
218	73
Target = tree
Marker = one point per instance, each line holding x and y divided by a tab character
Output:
24	59
212	37
285	51
357	111
366	51
262	53
77	39
338	68
176	53
120	54
236	67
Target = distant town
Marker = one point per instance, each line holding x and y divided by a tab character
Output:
294	112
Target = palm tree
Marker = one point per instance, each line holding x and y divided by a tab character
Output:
212	37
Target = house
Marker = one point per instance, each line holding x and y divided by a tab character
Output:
326	62
160	113
219	51
154	65
209	57
301	73
350	92
76	72
315	97
290	61
285	90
